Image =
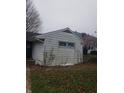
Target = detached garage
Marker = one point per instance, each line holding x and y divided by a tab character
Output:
60	47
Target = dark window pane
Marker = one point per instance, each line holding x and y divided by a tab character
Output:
62	43
70	44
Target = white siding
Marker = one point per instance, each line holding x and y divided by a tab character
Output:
59	55
38	53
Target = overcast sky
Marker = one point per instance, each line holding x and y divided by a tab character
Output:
78	15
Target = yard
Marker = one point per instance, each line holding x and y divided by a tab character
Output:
75	79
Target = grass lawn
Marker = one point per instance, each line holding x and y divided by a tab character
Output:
90	58
73	79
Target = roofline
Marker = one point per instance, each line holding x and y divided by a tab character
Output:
61	30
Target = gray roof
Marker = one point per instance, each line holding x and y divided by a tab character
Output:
30	36
67	30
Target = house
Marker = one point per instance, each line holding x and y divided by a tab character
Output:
60	47
89	43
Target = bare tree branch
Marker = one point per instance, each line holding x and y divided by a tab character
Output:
32	18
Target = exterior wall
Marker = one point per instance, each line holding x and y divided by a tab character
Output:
50	53
37	53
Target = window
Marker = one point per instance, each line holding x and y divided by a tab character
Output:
66	44
71	45
62	43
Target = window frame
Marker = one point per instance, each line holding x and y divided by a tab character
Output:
71	46
62	45
66	44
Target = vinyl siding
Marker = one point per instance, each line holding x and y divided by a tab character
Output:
62	55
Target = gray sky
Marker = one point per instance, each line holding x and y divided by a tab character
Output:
78	15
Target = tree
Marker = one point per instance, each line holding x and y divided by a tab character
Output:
32	18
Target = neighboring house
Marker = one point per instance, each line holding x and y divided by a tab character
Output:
89	43
60	47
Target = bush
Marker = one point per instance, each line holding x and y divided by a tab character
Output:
90	59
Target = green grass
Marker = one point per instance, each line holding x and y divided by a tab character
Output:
74	79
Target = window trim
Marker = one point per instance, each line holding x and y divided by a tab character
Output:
72	46
61	44
66	44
